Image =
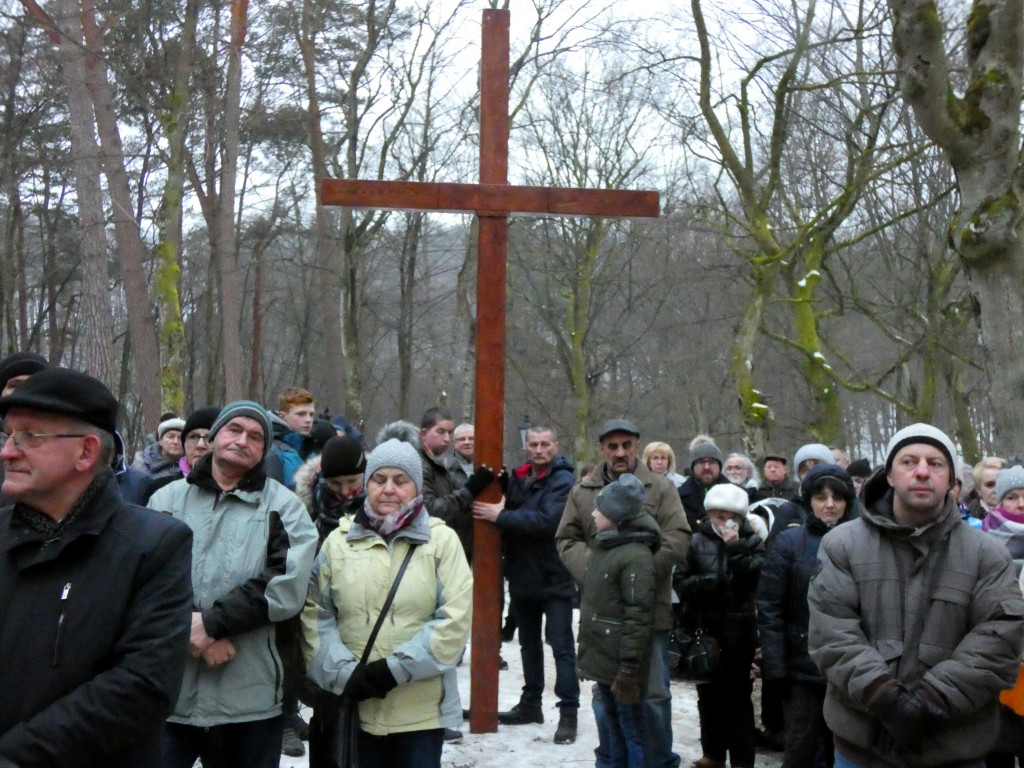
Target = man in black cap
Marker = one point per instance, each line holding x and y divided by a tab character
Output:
777	482
618	445
14	371
95	595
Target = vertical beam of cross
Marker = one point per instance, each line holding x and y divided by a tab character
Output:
489	413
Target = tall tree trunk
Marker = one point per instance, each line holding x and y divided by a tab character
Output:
755	414
329	258
96	350
225	251
145	352
175	120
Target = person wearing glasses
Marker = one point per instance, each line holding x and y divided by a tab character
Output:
705	471
95	592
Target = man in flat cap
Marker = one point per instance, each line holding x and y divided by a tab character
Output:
618	445
252	554
916	620
95	595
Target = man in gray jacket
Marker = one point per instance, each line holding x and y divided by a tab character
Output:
252	551
618	444
916	620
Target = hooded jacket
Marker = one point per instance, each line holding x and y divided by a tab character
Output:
936	608
93	635
252	551
533	507
618	601
575	538
422	638
137	482
782	612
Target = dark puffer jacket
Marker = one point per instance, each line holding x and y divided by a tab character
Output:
618	600
446	499
533	508
692	494
782	612
718	581
142	479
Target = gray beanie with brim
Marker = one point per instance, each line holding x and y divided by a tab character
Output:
621	500
922	433
705	450
1009	479
249	410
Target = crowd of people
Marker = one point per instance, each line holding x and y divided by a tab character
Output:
182	605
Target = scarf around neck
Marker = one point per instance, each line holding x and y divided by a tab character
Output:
395	521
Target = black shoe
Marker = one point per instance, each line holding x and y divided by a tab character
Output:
301	727
502	664
465	714
450	734
565	733
291	744
769	740
521	714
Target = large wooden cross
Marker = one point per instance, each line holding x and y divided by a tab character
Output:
492	200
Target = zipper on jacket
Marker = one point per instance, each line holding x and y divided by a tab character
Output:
60	623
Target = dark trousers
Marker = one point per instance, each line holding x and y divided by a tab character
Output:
254	744
727	712
412	749
1009	748
621	731
806	732
558	614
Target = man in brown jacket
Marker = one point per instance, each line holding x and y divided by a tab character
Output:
618	444
916	620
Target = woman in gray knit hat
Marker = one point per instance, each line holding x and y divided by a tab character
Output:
406	690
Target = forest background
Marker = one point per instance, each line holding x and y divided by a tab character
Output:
839	251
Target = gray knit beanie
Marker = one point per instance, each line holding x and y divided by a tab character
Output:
250	410
818	451
706	450
622	500
1007	480
922	433
397	449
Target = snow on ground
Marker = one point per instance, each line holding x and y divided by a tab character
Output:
531	745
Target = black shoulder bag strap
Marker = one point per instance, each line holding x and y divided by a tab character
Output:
346	750
387	604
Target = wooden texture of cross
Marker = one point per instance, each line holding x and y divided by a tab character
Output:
492	200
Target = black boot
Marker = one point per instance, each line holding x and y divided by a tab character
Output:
521	714
565	733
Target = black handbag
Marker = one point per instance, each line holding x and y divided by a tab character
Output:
336	721
699	657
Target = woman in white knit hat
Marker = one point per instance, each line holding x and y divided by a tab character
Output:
406	690
717	583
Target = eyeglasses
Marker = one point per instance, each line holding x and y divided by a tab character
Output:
194	438
28	440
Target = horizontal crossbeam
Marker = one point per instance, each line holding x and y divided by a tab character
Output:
488	199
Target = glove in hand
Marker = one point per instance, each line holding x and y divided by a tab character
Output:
379	679
908	716
482	477
626	685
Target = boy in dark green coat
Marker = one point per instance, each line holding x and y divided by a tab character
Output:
615	620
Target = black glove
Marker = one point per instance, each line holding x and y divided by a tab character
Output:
626	685
908	716
481	478
355	688
379	679
503	480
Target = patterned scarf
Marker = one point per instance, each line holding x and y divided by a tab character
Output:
52	530
388	524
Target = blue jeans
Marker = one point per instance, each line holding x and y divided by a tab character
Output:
657	710
411	749
620	732
254	744
558	613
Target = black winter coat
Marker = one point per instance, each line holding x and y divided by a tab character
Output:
782	612
528	524
718	582
94	632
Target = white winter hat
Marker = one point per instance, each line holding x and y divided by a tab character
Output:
922	433
727	497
